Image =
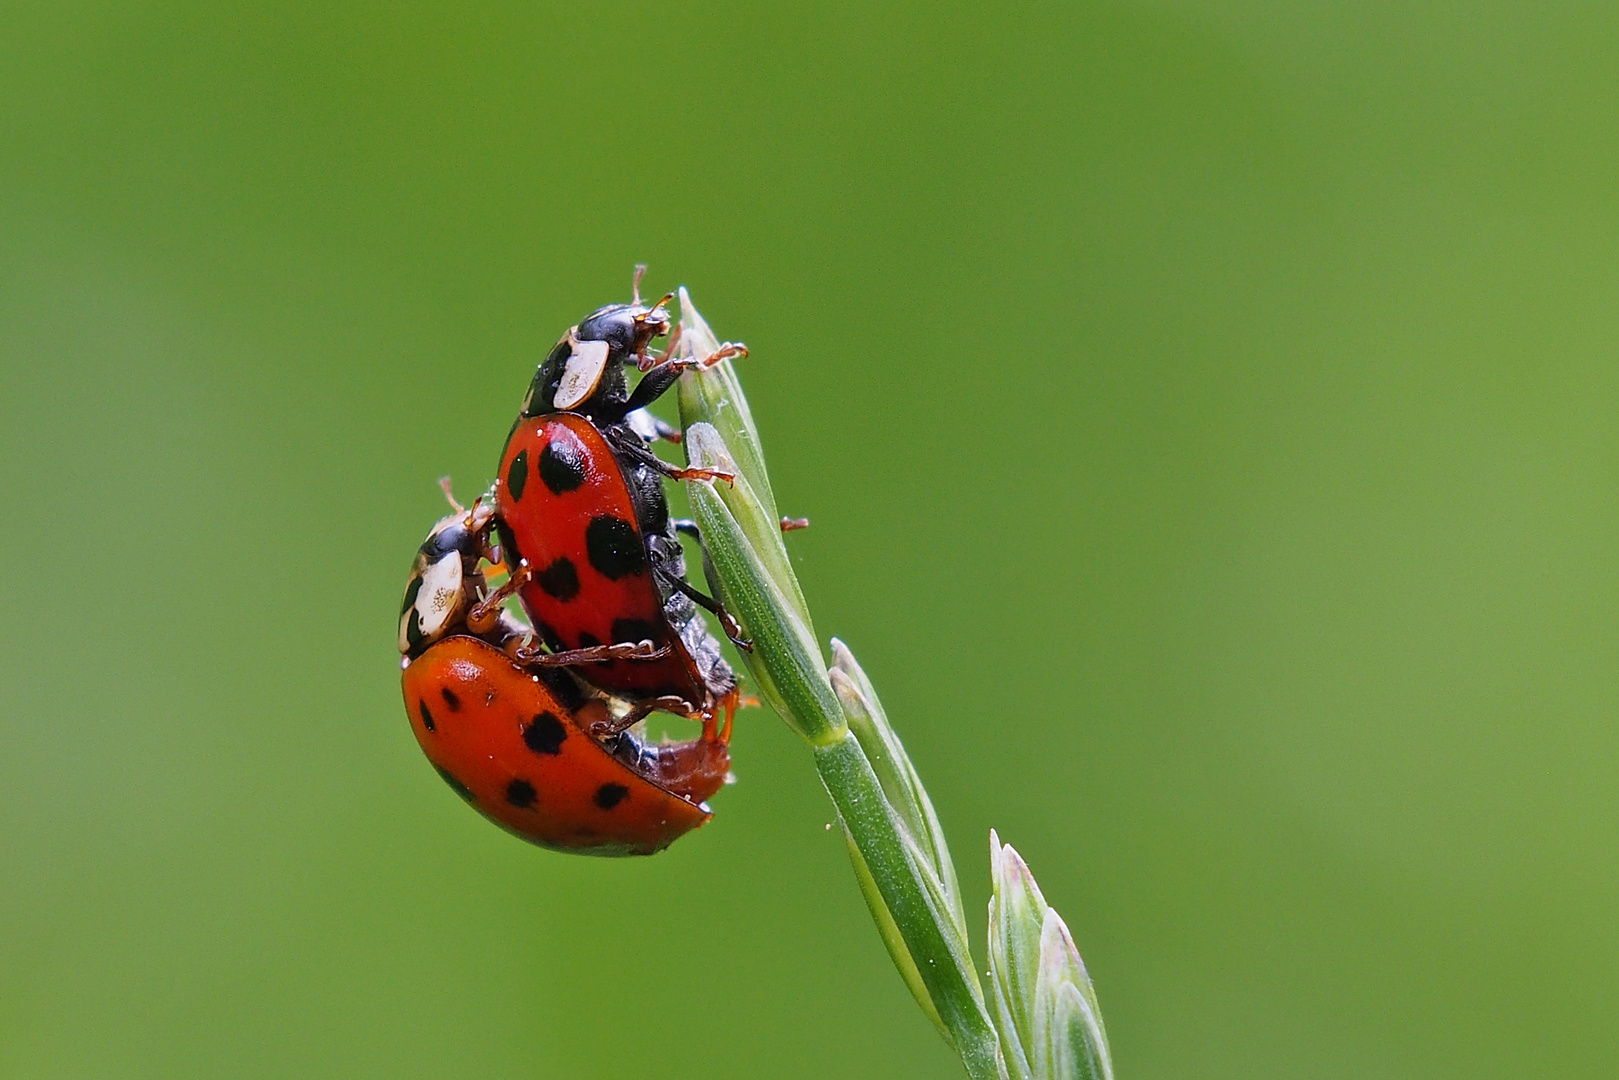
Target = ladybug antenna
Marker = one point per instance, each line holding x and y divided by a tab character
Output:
444	486
635	293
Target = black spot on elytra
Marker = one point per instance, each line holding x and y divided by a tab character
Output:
560	580
561	466
462	790
629	631
562	686
517	475
427	717
614	547
545	734
411	590
520	793
450	699
610	795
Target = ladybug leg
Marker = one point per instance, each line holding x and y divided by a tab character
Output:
645	363
486	613
663	374
707	603
651	428
674	472
603	729
668	367
667	431
637	451
652	386
529	653
687	527
724	352
728	705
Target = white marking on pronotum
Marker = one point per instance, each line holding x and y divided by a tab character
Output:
583	372
439	599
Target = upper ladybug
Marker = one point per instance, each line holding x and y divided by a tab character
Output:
584	372
584	521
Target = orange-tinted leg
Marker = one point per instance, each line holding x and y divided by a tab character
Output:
732	629
603	729
595	654
632	446
727	705
486	612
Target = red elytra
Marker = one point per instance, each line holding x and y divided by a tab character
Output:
565	506
504	739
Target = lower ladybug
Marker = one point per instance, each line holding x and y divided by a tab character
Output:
518	741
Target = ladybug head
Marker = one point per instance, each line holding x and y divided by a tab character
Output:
464	533
576	371
627	328
445	580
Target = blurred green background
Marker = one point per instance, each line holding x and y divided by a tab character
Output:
1208	421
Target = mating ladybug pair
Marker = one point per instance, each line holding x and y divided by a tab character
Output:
532	725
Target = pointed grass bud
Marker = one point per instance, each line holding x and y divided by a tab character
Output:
714	395
1044	1006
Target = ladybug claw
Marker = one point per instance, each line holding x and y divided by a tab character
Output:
733	630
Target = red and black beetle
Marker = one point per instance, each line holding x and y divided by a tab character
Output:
585	525
527	745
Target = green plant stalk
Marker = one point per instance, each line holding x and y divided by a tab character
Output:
1041	1021
795	681
894	843
881	858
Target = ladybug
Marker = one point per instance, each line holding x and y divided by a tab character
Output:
447	587
581	511
517	741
